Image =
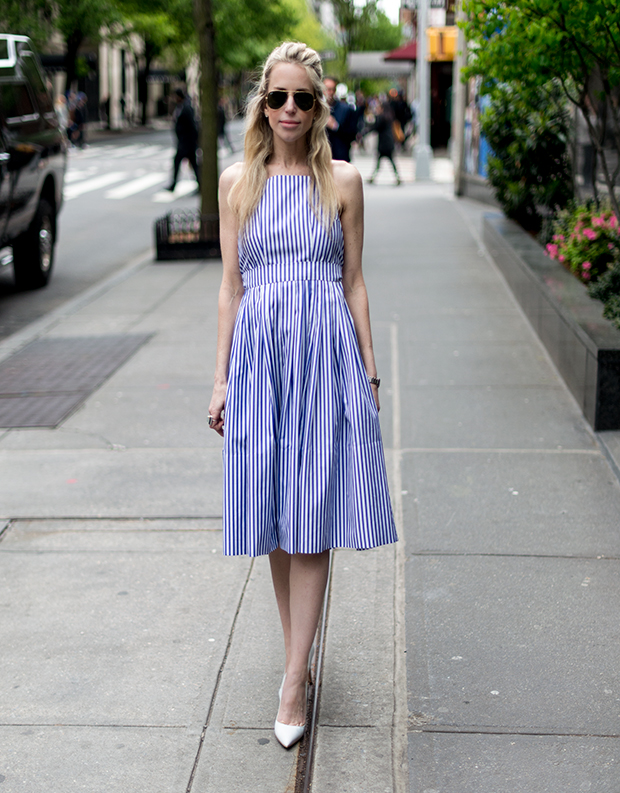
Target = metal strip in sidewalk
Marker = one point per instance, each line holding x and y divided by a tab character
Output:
45	381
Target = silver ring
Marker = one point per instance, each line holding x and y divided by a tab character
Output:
210	417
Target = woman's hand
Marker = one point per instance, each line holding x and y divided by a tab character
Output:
375	393
216	409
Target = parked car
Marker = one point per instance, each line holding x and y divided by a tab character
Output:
33	160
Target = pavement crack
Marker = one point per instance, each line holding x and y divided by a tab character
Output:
4	528
219	679
465	554
448	730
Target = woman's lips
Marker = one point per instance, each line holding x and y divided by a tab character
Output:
290	123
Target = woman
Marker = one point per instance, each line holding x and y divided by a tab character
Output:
296	389
385	139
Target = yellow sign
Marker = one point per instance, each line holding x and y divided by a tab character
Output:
441	43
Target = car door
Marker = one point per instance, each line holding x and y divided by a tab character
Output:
21	128
5	192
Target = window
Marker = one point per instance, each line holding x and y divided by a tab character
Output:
15	101
31	71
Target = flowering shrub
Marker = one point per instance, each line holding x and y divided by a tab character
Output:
586	240
607	289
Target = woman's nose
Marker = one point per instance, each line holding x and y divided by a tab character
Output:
290	104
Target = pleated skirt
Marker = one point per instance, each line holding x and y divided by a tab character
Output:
304	467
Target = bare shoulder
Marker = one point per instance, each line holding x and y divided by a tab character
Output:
346	176
230	175
349	185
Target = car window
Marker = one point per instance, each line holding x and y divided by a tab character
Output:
33	75
15	101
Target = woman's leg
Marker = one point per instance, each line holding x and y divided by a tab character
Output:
300	597
391	159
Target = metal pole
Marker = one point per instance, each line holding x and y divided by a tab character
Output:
423	151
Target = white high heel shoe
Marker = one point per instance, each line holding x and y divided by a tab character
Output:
289	734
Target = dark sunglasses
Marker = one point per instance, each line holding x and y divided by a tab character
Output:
303	99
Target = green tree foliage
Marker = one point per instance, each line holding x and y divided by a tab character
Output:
33	18
309	29
167	30
529	166
363	28
576	42
247	30
75	20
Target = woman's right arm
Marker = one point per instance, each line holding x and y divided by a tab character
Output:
230	295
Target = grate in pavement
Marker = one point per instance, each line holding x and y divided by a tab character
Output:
43	383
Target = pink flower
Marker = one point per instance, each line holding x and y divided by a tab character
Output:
610	245
613	222
562	258
598	221
552	250
558	238
590	234
585	276
587	265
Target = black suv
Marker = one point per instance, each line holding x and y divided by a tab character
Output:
33	159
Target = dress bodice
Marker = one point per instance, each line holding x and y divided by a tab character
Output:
285	240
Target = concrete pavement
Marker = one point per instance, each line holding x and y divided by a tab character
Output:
476	655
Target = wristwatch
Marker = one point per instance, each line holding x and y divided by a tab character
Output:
374	381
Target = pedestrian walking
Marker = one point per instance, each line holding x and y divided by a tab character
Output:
385	139
80	117
296	394
341	124
186	130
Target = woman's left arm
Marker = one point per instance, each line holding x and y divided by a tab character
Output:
350	188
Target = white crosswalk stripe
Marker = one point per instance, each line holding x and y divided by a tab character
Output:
136	186
75	176
125	151
182	188
88	185
149	151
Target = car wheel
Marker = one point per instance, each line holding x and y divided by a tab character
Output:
33	251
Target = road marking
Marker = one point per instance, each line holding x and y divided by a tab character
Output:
126	151
136	185
148	151
75	190
183	188
75	176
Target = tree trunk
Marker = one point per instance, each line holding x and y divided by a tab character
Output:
143	80
203	18
73	44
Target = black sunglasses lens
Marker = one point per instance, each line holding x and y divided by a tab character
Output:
304	100
275	99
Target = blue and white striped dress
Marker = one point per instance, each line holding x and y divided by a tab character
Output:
304	468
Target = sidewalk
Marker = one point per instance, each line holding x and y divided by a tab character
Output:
137	658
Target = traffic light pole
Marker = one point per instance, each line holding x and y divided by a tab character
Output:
423	151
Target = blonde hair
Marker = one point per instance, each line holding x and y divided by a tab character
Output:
246	193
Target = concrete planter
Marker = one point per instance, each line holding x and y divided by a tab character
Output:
584	346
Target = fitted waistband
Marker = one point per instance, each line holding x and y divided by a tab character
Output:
291	271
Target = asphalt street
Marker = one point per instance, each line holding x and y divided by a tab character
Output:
113	194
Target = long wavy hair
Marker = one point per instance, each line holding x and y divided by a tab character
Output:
248	189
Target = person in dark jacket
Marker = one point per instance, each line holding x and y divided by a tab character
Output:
186	130
385	142
342	123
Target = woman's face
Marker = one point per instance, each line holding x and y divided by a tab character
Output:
288	122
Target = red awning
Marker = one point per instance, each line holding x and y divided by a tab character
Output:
408	52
